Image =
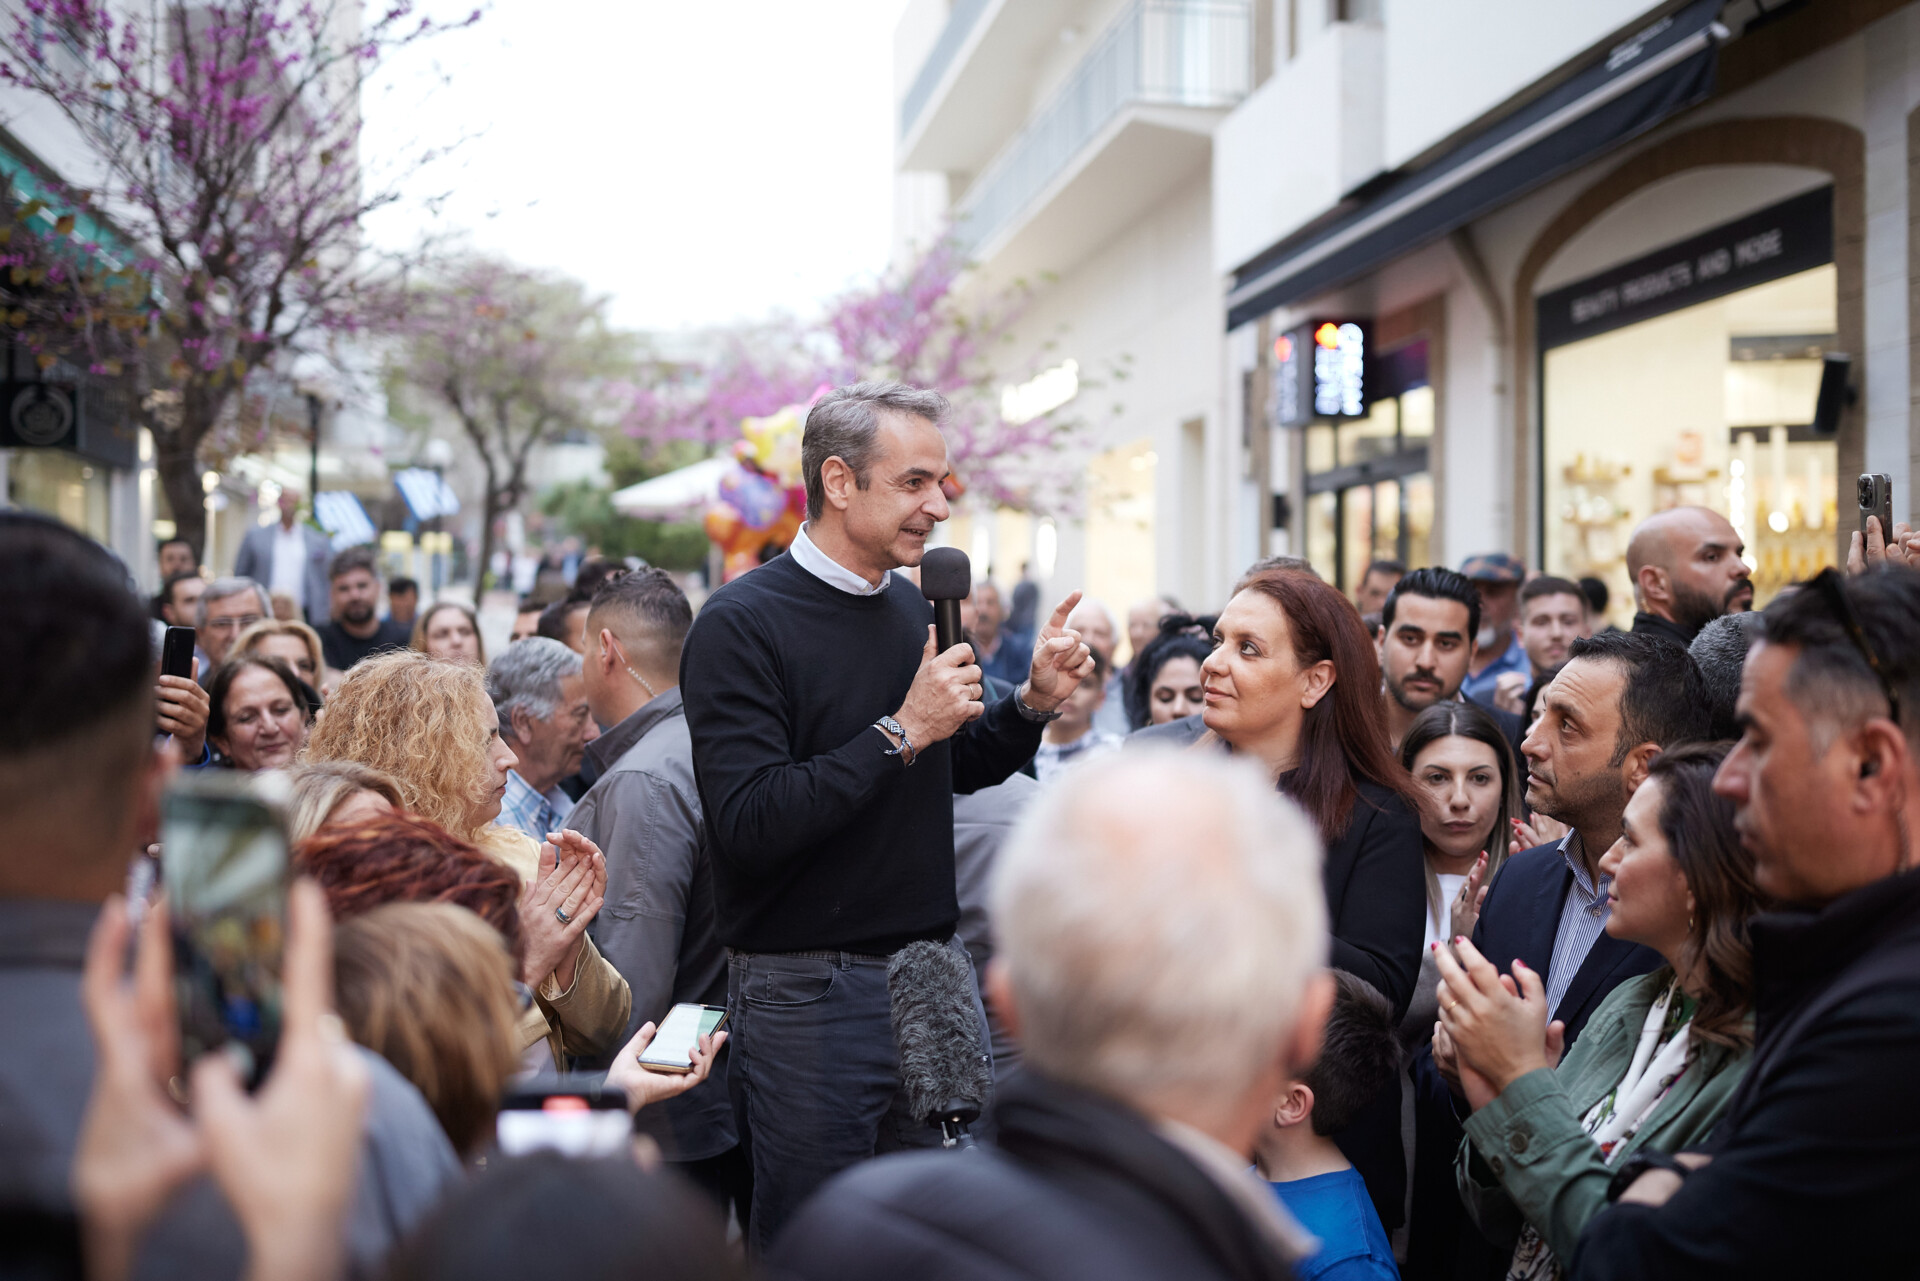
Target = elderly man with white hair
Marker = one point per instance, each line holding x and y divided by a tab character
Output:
1161	943
541	698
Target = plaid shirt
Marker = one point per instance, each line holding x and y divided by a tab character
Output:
531	812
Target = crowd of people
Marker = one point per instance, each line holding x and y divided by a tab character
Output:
1444	931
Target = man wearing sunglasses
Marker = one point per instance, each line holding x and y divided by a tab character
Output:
1813	1169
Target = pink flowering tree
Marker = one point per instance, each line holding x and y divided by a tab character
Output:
517	358
919	326
212	235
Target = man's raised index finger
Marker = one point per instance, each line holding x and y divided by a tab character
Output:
1062	611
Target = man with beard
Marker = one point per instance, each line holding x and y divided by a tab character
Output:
1427	624
1496	649
356	628
1621	700
1686	570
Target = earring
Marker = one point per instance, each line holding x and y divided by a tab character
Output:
1689	922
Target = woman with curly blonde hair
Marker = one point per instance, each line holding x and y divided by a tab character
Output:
430	727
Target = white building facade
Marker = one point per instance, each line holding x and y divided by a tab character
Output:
1602	259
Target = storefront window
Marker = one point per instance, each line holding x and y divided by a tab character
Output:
1708	405
1369	495
61	485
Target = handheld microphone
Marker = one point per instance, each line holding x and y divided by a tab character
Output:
946	579
944	1066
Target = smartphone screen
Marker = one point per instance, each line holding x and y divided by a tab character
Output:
586	1121
679	1035
224	863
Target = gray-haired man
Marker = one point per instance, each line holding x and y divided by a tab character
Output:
541	700
829	737
228	607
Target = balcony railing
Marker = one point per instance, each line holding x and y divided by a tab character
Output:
1167	53
960	23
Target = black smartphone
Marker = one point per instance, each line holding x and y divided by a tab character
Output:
1876	500
671	1049
572	1115
223	860
176	653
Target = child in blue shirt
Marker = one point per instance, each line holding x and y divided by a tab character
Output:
1297	1155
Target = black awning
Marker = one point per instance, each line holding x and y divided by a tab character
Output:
1641	81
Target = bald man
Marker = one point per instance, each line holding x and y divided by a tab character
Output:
1687	571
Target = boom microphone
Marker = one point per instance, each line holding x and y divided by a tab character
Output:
946	579
944	1067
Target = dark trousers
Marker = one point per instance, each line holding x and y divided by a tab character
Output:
727	1181
815	1074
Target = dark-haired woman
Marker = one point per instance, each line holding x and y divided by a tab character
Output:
1293	682
1163	683
1658	1060
259	712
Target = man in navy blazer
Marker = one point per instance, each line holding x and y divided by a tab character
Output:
1620	700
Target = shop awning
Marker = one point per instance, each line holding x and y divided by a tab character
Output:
676	494
340	514
1632	87
426	493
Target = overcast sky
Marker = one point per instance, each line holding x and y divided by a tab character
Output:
697	160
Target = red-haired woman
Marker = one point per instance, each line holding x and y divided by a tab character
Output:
1294	682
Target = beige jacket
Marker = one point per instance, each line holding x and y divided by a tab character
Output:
587	1019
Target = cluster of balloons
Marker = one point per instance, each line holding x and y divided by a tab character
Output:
762	500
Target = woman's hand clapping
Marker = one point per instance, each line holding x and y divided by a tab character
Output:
1497	1025
558	904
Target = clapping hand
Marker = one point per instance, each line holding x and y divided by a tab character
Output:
1465	913
1498	1024
1538	830
1061	660
558	904
644	1086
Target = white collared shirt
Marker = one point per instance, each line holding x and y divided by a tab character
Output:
289	566
808	556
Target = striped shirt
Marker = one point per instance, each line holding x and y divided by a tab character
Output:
1582	918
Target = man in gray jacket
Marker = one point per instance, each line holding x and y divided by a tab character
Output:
643	811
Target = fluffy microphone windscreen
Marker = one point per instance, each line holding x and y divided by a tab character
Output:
945	574
937	1027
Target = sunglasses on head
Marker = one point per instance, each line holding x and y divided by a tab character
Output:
1832	589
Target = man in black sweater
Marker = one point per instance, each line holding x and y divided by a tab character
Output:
1812	1170
828	740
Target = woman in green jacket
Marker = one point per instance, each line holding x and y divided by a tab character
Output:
1658	1060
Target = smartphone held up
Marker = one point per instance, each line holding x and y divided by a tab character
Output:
224	862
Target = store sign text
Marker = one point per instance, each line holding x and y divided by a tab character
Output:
1792	236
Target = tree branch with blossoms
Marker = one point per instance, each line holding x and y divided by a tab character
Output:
216	236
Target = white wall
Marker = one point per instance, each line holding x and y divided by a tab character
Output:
1298	143
1149	294
1448	62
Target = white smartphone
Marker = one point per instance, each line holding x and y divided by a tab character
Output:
672	1047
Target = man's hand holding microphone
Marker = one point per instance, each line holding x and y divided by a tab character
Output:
947	689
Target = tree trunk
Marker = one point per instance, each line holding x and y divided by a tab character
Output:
485	567
179	472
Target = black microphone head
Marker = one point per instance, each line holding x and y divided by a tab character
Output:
945	574
944	1064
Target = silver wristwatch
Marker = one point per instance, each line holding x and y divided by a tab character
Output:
889	725
1033	714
